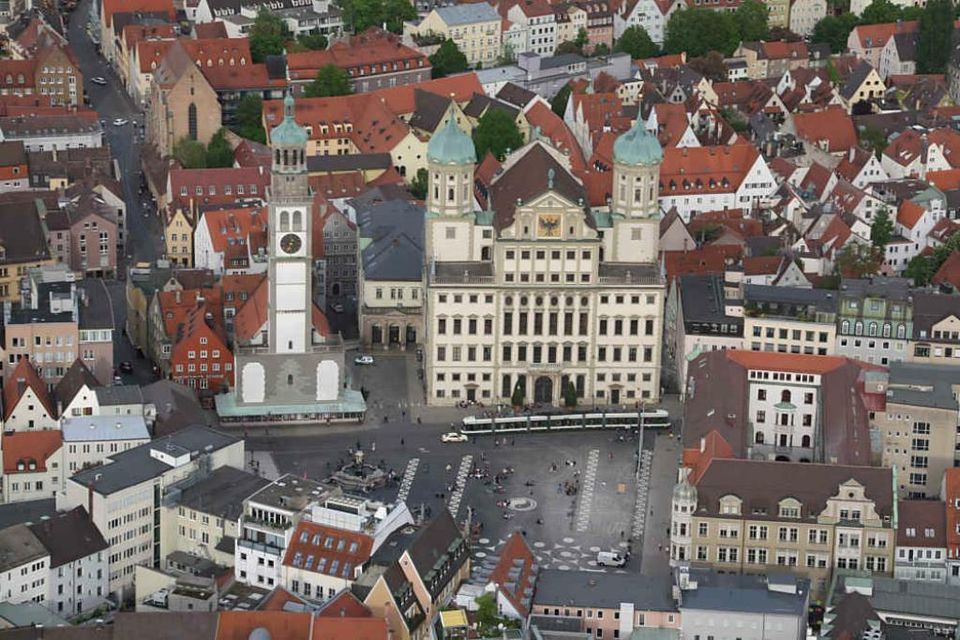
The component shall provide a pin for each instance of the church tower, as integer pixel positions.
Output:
(637, 156)
(451, 157)
(290, 275)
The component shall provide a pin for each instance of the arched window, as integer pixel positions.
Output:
(873, 328)
(845, 326)
(297, 221)
(284, 221)
(192, 121)
(785, 395)
(886, 329)
(901, 331)
(858, 328)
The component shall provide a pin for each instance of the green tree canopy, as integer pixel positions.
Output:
(248, 119)
(448, 59)
(711, 66)
(600, 50)
(559, 102)
(313, 41)
(496, 131)
(881, 231)
(331, 80)
(920, 270)
(697, 31)
(219, 153)
(751, 18)
(834, 31)
(568, 46)
(267, 35)
(880, 11)
(420, 184)
(360, 15)
(934, 36)
(582, 38)
(859, 261)
(191, 154)
(636, 42)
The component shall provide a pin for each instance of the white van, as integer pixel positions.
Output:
(611, 559)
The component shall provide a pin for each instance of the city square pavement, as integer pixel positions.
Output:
(565, 531)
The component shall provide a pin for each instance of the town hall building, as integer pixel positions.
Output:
(539, 291)
(289, 365)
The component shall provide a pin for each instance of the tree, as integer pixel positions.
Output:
(568, 46)
(448, 59)
(751, 18)
(859, 261)
(782, 33)
(419, 184)
(496, 132)
(881, 231)
(636, 42)
(834, 31)
(191, 154)
(934, 36)
(219, 153)
(600, 50)
(313, 41)
(569, 395)
(582, 39)
(710, 66)
(268, 35)
(519, 394)
(487, 618)
(697, 31)
(880, 11)
(873, 139)
(248, 119)
(559, 102)
(360, 15)
(331, 80)
(920, 270)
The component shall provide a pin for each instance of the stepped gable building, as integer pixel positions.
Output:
(289, 366)
(539, 291)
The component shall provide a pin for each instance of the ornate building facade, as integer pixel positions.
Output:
(540, 292)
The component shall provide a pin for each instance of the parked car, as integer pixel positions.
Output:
(126, 367)
(337, 308)
(362, 360)
(119, 122)
(611, 559)
(453, 436)
(100, 80)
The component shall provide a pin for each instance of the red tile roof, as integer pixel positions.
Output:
(831, 126)
(210, 29)
(875, 36)
(714, 169)
(25, 377)
(780, 50)
(708, 259)
(400, 100)
(252, 315)
(17, 74)
(909, 213)
(26, 447)
(762, 265)
(556, 130)
(230, 227)
(949, 271)
(712, 446)
(344, 604)
(280, 625)
(277, 599)
(946, 180)
(853, 163)
(133, 34)
(794, 362)
(216, 186)
(516, 558)
(327, 550)
(369, 53)
(596, 109)
(340, 628)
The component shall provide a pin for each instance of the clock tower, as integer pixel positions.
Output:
(290, 299)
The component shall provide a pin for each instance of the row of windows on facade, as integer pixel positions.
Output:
(396, 293)
(783, 348)
(872, 329)
(784, 559)
(385, 67)
(215, 368)
(228, 190)
(539, 300)
(539, 355)
(795, 334)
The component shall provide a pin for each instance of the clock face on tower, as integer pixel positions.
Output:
(290, 243)
(548, 226)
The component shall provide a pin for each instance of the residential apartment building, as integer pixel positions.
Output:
(748, 516)
(58, 75)
(374, 59)
(935, 335)
(921, 541)
(202, 520)
(31, 465)
(772, 607)
(950, 495)
(270, 517)
(534, 297)
(875, 319)
(475, 29)
(534, 27)
(322, 561)
(29, 251)
(68, 130)
(79, 572)
(91, 440)
(789, 320)
(918, 427)
(24, 566)
(611, 607)
(125, 496)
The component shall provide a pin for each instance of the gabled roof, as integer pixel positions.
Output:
(949, 271)
(252, 315)
(76, 377)
(714, 169)
(515, 573)
(110, 7)
(853, 163)
(25, 377)
(909, 213)
(708, 259)
(344, 604)
(26, 448)
(921, 523)
(875, 36)
(338, 553)
(553, 128)
(831, 125)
